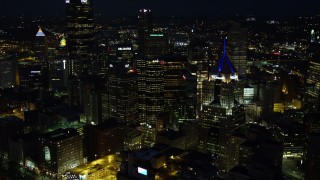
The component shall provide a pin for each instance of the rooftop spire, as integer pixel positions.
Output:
(225, 46)
(225, 66)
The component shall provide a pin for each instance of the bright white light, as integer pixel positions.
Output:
(64, 64)
(67, 1)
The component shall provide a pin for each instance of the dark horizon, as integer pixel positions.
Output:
(166, 8)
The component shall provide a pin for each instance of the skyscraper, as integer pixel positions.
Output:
(154, 91)
(122, 89)
(7, 72)
(41, 57)
(313, 90)
(80, 32)
(220, 118)
(238, 47)
(80, 44)
(33, 72)
(199, 63)
(145, 27)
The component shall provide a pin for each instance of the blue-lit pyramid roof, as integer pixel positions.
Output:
(224, 66)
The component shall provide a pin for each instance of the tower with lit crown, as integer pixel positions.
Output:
(223, 116)
(41, 57)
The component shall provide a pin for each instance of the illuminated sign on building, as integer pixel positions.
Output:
(142, 171)
(156, 35)
(124, 48)
(35, 72)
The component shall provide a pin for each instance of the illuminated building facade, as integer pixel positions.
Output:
(174, 83)
(58, 76)
(80, 32)
(154, 91)
(150, 90)
(141, 68)
(198, 61)
(313, 90)
(41, 58)
(60, 151)
(132, 140)
(220, 118)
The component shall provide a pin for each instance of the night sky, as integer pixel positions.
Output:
(182, 8)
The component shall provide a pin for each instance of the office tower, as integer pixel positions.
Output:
(174, 83)
(80, 44)
(29, 74)
(58, 76)
(191, 95)
(207, 92)
(313, 87)
(123, 93)
(80, 32)
(59, 151)
(92, 99)
(145, 27)
(157, 45)
(248, 94)
(32, 72)
(141, 69)
(238, 47)
(220, 118)
(7, 73)
(154, 94)
(89, 100)
(198, 64)
(41, 58)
